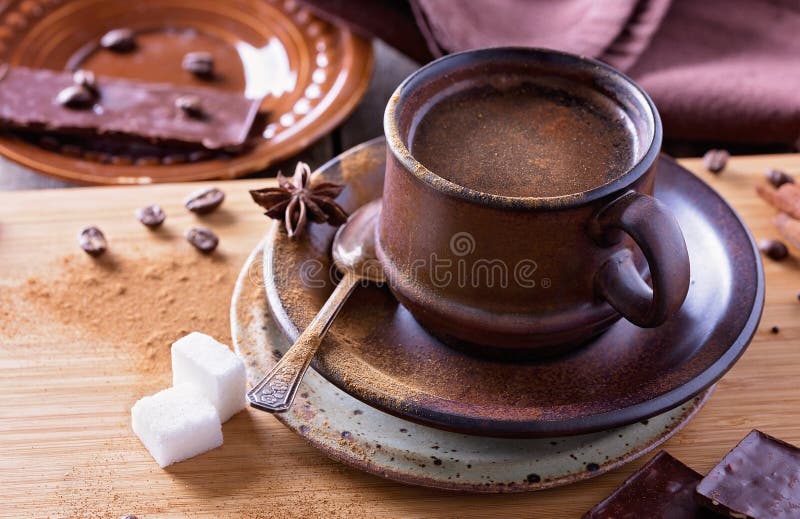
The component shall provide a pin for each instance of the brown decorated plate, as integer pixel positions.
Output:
(312, 73)
(377, 352)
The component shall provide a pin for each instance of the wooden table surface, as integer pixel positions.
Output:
(66, 448)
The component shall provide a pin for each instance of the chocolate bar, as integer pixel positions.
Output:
(142, 112)
(663, 488)
(758, 479)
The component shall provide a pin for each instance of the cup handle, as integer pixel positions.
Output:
(655, 230)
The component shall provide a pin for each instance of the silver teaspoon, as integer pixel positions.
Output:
(354, 256)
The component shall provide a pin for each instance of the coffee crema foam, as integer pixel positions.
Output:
(542, 137)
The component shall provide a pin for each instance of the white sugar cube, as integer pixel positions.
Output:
(176, 424)
(215, 370)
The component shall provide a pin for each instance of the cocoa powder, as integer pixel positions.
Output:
(136, 303)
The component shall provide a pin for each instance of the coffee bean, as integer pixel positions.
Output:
(775, 330)
(76, 97)
(778, 178)
(190, 105)
(92, 240)
(128, 516)
(86, 79)
(205, 200)
(152, 216)
(119, 40)
(202, 239)
(201, 64)
(774, 249)
(715, 160)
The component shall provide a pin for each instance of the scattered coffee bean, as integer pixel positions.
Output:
(202, 239)
(119, 40)
(86, 79)
(152, 216)
(205, 200)
(201, 64)
(774, 330)
(778, 178)
(76, 97)
(190, 105)
(715, 160)
(128, 516)
(774, 249)
(92, 240)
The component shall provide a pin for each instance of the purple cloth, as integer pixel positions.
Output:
(720, 70)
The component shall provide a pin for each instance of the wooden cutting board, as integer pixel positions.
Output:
(81, 340)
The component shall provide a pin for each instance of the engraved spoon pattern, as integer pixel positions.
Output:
(354, 255)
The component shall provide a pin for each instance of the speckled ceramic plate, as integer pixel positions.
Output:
(363, 437)
(377, 352)
(312, 73)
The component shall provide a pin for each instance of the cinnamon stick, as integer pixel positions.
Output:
(767, 193)
(785, 199)
(789, 229)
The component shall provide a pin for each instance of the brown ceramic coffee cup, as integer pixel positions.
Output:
(511, 219)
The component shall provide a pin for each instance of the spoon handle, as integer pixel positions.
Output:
(276, 391)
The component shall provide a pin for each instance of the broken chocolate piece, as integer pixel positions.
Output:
(134, 113)
(202, 239)
(92, 240)
(151, 216)
(190, 105)
(778, 178)
(76, 97)
(119, 40)
(663, 488)
(759, 478)
(716, 160)
(201, 64)
(774, 249)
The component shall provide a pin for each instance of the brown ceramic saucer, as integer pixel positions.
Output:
(376, 352)
(313, 73)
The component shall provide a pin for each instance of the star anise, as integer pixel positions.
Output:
(297, 200)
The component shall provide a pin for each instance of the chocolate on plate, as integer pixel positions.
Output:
(663, 488)
(759, 478)
(126, 111)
